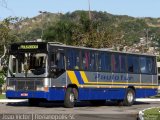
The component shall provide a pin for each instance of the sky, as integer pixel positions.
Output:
(31, 8)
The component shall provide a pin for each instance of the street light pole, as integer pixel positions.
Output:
(89, 10)
(147, 37)
(42, 12)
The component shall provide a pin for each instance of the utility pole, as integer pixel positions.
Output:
(42, 12)
(147, 31)
(89, 12)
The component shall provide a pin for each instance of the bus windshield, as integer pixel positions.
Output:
(27, 65)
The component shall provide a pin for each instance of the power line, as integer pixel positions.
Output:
(3, 3)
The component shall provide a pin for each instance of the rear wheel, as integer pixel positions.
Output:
(70, 97)
(129, 97)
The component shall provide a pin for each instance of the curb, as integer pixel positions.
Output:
(148, 100)
(12, 100)
(25, 100)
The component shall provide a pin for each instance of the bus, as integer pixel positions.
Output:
(48, 71)
(158, 67)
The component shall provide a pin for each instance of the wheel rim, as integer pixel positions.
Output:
(130, 97)
(71, 97)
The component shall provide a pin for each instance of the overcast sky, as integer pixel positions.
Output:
(30, 8)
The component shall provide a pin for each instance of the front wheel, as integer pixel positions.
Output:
(129, 97)
(70, 97)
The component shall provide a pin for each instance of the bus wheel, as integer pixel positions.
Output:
(70, 97)
(129, 97)
(33, 102)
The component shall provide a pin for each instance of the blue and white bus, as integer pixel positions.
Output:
(40, 71)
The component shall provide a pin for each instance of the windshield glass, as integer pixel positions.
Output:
(28, 65)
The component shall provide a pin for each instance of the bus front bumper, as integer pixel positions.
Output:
(51, 95)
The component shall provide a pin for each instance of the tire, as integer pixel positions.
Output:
(129, 97)
(33, 102)
(70, 97)
(98, 102)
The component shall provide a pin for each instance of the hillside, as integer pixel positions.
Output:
(103, 30)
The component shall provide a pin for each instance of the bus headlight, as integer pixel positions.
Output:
(41, 88)
(11, 87)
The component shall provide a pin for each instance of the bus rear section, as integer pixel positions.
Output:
(53, 72)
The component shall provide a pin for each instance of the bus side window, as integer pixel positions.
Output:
(69, 59)
(60, 59)
(122, 60)
(104, 62)
(76, 60)
(53, 60)
(115, 63)
(93, 61)
(147, 65)
(57, 60)
(73, 61)
(133, 64)
(85, 60)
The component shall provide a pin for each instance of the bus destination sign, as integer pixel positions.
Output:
(28, 47)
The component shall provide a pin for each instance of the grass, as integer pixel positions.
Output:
(152, 114)
(2, 96)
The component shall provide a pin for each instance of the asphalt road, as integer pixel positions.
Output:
(82, 111)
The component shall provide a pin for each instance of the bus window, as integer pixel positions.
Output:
(85, 60)
(73, 60)
(133, 64)
(93, 62)
(104, 62)
(147, 65)
(57, 60)
(76, 60)
(115, 63)
(122, 60)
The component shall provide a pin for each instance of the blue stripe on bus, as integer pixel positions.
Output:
(78, 75)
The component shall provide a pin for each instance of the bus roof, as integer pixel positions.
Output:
(96, 49)
(78, 47)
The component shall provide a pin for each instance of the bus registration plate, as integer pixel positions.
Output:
(24, 94)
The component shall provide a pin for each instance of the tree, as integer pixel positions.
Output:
(5, 36)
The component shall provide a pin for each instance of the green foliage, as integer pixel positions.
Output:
(5, 33)
(2, 96)
(103, 30)
(2, 78)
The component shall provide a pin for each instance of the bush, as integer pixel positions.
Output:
(2, 80)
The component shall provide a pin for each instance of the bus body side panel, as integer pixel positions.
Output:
(146, 79)
(142, 93)
(101, 93)
(96, 84)
(56, 94)
(59, 82)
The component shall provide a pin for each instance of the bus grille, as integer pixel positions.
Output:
(25, 84)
